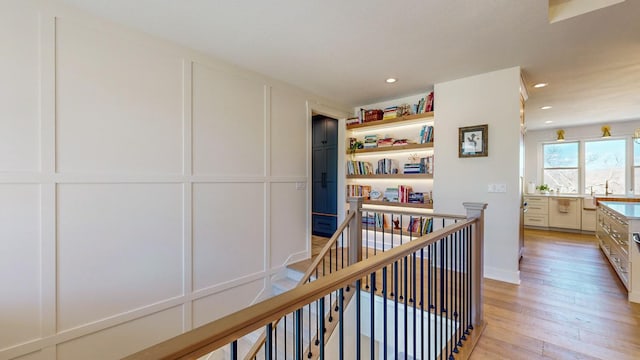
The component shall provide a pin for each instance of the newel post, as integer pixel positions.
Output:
(355, 230)
(476, 211)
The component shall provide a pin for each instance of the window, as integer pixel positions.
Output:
(604, 164)
(636, 168)
(561, 170)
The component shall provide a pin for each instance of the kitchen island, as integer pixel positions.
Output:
(618, 233)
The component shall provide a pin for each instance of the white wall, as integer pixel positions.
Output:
(534, 139)
(145, 189)
(493, 99)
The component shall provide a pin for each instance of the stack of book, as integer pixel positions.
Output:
(358, 190)
(414, 169)
(426, 134)
(390, 112)
(353, 120)
(385, 142)
(370, 115)
(359, 168)
(387, 166)
(427, 164)
(370, 141)
(400, 142)
(391, 194)
(416, 198)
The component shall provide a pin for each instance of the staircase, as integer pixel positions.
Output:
(404, 295)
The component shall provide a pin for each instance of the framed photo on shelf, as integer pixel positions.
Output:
(473, 141)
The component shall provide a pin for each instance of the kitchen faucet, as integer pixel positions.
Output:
(606, 188)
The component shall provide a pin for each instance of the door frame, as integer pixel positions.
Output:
(314, 108)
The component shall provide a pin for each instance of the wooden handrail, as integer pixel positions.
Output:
(307, 275)
(221, 332)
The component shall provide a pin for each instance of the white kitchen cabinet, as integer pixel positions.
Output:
(537, 211)
(588, 219)
(565, 213)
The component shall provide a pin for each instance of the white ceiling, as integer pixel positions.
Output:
(344, 50)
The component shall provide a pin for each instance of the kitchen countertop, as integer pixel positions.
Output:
(561, 195)
(630, 210)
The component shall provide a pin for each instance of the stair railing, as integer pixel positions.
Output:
(424, 301)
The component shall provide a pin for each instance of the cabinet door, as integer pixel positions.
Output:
(565, 213)
(331, 132)
(318, 129)
(319, 164)
(319, 198)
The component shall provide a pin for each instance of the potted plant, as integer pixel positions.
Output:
(543, 188)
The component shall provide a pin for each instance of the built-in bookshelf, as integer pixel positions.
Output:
(402, 158)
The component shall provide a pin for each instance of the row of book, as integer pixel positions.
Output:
(358, 190)
(359, 168)
(387, 166)
(424, 105)
(426, 134)
(418, 225)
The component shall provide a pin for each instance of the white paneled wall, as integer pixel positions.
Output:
(145, 188)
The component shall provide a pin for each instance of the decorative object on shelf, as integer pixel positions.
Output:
(403, 110)
(375, 194)
(606, 131)
(473, 141)
(636, 136)
(543, 188)
(560, 135)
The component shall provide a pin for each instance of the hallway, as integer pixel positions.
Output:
(570, 305)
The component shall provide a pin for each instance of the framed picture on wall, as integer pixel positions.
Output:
(473, 141)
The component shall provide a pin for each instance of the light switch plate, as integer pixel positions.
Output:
(301, 186)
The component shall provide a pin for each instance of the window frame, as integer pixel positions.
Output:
(577, 167)
(630, 166)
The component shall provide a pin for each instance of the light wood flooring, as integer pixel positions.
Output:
(570, 305)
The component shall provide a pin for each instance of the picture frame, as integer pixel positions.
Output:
(473, 141)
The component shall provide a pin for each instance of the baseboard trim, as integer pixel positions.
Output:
(512, 277)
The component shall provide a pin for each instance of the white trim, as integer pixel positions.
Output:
(509, 276)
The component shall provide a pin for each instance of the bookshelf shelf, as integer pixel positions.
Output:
(395, 121)
(391, 176)
(424, 146)
(392, 231)
(416, 158)
(397, 204)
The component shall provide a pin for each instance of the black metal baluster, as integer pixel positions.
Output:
(441, 292)
(341, 323)
(285, 336)
(297, 333)
(406, 307)
(384, 311)
(321, 326)
(358, 290)
(395, 308)
(414, 301)
(428, 301)
(275, 342)
(422, 310)
(234, 350)
(268, 345)
(309, 330)
(372, 314)
(471, 264)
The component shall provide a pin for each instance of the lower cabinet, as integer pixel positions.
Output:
(324, 225)
(588, 220)
(565, 213)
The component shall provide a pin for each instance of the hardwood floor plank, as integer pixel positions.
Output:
(569, 305)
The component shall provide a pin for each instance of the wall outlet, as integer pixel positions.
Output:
(301, 186)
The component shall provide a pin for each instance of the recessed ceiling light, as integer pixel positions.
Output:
(547, 107)
(540, 85)
(548, 121)
(391, 80)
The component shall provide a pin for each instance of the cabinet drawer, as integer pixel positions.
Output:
(324, 225)
(536, 200)
(536, 220)
(538, 209)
